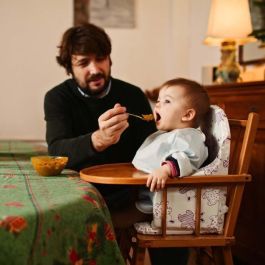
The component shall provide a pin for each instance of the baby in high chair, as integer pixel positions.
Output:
(179, 147)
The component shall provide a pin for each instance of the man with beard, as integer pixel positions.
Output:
(87, 115)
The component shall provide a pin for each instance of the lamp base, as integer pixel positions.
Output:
(228, 71)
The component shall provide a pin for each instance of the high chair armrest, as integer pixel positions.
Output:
(210, 180)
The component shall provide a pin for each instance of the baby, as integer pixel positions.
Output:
(178, 148)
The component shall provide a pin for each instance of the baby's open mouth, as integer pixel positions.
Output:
(157, 117)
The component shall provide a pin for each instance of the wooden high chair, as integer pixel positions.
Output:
(219, 244)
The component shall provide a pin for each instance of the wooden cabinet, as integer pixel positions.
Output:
(238, 99)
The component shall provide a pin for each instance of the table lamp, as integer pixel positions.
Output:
(229, 25)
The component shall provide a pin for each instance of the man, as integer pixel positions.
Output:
(87, 115)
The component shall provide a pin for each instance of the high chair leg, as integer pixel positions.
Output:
(217, 255)
(228, 258)
(138, 256)
(204, 256)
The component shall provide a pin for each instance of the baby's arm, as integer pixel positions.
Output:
(157, 179)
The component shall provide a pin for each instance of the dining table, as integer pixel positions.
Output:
(54, 220)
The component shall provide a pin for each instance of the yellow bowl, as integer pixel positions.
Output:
(49, 165)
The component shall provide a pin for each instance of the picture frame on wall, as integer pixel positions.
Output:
(112, 13)
(105, 13)
(81, 12)
(251, 53)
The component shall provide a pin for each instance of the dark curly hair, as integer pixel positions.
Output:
(82, 40)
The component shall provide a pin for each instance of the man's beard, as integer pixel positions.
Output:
(87, 89)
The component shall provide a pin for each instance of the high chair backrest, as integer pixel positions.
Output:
(219, 130)
(241, 149)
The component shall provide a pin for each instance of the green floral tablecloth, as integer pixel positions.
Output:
(50, 220)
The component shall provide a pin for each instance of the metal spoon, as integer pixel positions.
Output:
(144, 117)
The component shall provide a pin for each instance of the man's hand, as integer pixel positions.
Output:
(157, 179)
(112, 124)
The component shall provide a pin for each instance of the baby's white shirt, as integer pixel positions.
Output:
(186, 145)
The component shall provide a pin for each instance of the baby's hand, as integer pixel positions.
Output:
(157, 179)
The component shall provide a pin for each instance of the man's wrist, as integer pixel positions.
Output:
(97, 141)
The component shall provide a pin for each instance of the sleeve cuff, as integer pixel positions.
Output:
(173, 168)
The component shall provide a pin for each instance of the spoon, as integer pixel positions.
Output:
(144, 117)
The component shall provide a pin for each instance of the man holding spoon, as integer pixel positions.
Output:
(87, 116)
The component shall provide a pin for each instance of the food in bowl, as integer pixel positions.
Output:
(49, 165)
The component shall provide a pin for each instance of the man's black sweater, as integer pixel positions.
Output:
(71, 118)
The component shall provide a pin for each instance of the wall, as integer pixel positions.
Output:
(29, 36)
(166, 42)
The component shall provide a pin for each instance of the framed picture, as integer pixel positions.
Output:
(112, 13)
(251, 53)
(105, 13)
(81, 12)
(254, 53)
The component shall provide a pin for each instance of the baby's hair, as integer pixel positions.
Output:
(196, 96)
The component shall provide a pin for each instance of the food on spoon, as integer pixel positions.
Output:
(148, 117)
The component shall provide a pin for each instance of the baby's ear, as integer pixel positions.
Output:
(189, 115)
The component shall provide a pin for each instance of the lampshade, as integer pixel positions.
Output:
(229, 20)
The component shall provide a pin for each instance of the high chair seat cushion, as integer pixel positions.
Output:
(181, 210)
